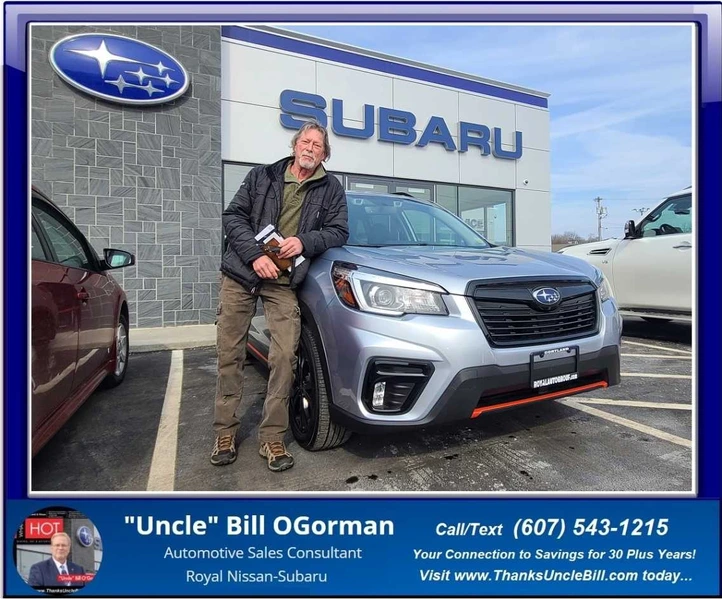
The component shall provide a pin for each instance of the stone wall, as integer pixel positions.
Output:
(146, 179)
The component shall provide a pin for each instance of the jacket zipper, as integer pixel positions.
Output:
(278, 200)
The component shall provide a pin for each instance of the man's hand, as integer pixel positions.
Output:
(290, 247)
(265, 268)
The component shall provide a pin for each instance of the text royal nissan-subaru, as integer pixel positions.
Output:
(418, 320)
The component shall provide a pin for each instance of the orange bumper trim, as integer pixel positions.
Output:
(518, 402)
(257, 353)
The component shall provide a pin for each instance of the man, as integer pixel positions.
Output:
(45, 574)
(308, 208)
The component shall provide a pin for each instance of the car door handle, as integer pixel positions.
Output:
(83, 295)
(685, 245)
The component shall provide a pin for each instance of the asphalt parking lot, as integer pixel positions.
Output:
(147, 436)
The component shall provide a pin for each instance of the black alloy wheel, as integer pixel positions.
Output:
(304, 398)
(308, 408)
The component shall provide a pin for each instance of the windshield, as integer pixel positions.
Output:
(376, 221)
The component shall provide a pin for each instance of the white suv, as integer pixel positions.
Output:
(650, 270)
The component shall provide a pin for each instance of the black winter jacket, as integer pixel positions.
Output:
(257, 203)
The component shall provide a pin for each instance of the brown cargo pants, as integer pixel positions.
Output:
(236, 308)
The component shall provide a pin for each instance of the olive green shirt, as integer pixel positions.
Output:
(294, 192)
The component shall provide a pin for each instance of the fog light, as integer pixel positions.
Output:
(379, 392)
(392, 386)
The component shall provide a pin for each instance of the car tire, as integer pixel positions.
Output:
(308, 407)
(121, 350)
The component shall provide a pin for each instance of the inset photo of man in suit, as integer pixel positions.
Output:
(58, 571)
(57, 550)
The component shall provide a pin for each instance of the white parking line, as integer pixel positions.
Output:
(642, 428)
(634, 404)
(656, 356)
(679, 351)
(657, 376)
(162, 467)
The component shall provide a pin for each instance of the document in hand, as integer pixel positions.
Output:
(269, 240)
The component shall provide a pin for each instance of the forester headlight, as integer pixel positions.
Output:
(386, 295)
(605, 289)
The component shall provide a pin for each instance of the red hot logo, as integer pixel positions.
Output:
(42, 528)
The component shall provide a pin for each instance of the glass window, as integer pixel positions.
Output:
(672, 217)
(27, 555)
(385, 221)
(373, 186)
(37, 248)
(445, 235)
(446, 197)
(67, 243)
(233, 176)
(417, 190)
(488, 212)
(422, 223)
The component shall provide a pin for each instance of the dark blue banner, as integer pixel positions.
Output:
(395, 547)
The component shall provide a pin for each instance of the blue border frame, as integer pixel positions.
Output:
(15, 277)
(16, 170)
(16, 180)
(271, 40)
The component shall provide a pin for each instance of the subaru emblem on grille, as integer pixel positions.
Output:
(547, 296)
(119, 69)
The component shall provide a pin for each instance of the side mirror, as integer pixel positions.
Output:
(116, 259)
(630, 230)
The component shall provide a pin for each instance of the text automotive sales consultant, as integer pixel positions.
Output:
(263, 553)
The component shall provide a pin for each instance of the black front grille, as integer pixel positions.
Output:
(511, 317)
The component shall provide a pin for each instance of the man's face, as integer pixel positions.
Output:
(308, 150)
(60, 547)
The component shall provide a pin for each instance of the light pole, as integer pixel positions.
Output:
(601, 213)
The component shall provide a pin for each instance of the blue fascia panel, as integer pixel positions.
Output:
(304, 48)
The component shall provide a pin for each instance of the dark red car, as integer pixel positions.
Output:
(79, 319)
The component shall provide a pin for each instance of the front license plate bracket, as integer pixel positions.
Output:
(553, 366)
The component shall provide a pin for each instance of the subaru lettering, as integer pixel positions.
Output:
(395, 126)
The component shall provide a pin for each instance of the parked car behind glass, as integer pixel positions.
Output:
(79, 319)
(418, 320)
(650, 269)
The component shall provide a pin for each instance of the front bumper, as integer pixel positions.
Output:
(461, 359)
(479, 389)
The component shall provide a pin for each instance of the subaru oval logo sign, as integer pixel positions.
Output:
(547, 296)
(119, 69)
(84, 536)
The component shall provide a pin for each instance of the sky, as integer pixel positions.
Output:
(620, 102)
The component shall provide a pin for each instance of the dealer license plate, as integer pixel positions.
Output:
(554, 366)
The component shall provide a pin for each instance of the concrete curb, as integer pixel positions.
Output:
(168, 338)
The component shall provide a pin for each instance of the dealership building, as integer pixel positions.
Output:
(153, 178)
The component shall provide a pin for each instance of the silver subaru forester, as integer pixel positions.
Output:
(418, 320)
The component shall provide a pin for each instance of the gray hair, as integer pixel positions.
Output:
(315, 125)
